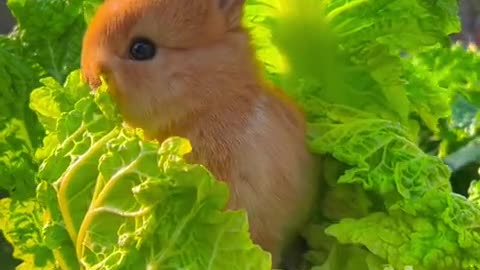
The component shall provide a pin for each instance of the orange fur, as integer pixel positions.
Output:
(204, 84)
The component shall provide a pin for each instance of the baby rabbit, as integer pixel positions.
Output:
(187, 68)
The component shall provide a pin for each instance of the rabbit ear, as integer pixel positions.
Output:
(233, 10)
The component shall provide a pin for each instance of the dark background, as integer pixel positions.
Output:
(6, 19)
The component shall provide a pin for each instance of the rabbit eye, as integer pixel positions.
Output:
(142, 49)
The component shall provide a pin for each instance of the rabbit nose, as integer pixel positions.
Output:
(94, 68)
(91, 75)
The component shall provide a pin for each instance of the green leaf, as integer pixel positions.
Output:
(175, 215)
(89, 8)
(348, 52)
(49, 101)
(343, 61)
(448, 240)
(19, 129)
(51, 33)
(474, 192)
(453, 73)
(428, 99)
(419, 222)
(116, 201)
(358, 259)
(384, 159)
(21, 223)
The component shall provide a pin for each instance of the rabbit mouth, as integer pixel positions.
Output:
(112, 87)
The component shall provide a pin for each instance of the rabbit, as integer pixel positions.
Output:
(187, 68)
